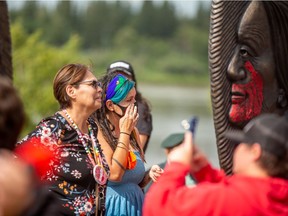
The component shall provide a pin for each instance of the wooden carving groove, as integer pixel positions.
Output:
(224, 19)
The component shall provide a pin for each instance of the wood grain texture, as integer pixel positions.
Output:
(5, 42)
(224, 19)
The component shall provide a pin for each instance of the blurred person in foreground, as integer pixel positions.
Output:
(259, 185)
(79, 179)
(144, 124)
(21, 193)
(120, 141)
(168, 144)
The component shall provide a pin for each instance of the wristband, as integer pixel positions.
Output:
(124, 133)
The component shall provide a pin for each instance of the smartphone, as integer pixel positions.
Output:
(190, 125)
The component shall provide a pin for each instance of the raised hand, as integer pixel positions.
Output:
(129, 120)
(199, 160)
(183, 152)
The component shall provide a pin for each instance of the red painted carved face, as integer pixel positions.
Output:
(247, 98)
(254, 86)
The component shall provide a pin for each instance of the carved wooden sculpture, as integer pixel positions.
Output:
(248, 52)
(5, 42)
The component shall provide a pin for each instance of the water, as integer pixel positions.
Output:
(170, 105)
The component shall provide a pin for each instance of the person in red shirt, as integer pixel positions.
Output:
(259, 185)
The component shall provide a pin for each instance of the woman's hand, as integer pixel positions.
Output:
(128, 122)
(155, 172)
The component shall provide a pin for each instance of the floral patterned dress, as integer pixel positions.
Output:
(71, 178)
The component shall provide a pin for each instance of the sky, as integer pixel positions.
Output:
(183, 7)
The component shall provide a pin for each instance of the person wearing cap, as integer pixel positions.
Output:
(259, 185)
(168, 144)
(144, 124)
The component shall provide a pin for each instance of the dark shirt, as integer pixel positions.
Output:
(144, 124)
(71, 180)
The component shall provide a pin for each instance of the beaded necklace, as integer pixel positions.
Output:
(99, 172)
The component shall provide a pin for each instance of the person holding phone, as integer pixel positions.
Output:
(168, 144)
(259, 185)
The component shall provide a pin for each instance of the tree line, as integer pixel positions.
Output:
(100, 23)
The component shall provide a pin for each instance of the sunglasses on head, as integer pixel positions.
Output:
(94, 83)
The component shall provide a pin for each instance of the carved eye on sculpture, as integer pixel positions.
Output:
(244, 52)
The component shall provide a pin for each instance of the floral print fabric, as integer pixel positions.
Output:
(71, 178)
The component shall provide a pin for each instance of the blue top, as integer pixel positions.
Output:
(126, 198)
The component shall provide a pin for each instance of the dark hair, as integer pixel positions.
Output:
(146, 104)
(274, 166)
(274, 157)
(277, 13)
(106, 126)
(270, 131)
(68, 75)
(12, 114)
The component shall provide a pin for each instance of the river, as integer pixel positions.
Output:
(171, 105)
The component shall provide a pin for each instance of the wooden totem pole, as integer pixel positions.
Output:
(248, 53)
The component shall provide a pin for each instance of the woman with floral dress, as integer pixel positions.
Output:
(81, 168)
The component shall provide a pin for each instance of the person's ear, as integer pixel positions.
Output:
(167, 151)
(110, 105)
(70, 90)
(256, 151)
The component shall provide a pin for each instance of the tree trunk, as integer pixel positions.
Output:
(5, 42)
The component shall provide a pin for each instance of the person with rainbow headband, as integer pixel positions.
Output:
(144, 123)
(119, 139)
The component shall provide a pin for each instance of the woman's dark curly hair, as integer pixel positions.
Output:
(103, 122)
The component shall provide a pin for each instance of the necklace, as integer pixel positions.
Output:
(99, 173)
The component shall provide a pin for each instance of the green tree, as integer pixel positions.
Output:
(62, 25)
(156, 21)
(35, 64)
(29, 15)
(146, 19)
(202, 18)
(94, 20)
(102, 21)
(167, 20)
(164, 46)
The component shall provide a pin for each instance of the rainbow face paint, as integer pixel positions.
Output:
(247, 99)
